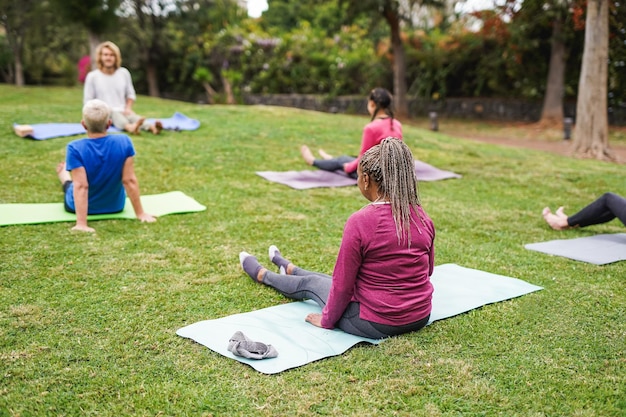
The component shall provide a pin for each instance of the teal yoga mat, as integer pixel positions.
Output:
(457, 290)
(157, 205)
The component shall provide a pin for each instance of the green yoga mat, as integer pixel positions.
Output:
(157, 205)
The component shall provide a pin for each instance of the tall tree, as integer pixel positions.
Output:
(147, 34)
(552, 111)
(97, 16)
(394, 12)
(16, 17)
(591, 129)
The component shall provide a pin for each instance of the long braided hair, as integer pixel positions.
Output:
(391, 165)
(383, 101)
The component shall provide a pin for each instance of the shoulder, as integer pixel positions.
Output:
(77, 143)
(363, 216)
(120, 137)
(123, 71)
(425, 217)
(371, 126)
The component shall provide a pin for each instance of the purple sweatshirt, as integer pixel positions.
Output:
(391, 281)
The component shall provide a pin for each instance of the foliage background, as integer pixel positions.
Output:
(313, 46)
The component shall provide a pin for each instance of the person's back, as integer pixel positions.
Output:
(98, 173)
(103, 160)
(393, 283)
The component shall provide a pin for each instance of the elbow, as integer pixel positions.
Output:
(129, 182)
(82, 187)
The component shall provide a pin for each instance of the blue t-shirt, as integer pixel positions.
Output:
(103, 160)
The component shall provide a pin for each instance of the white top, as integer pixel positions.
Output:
(113, 89)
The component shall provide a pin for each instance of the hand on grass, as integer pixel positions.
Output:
(315, 319)
(146, 218)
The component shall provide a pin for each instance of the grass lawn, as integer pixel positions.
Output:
(88, 321)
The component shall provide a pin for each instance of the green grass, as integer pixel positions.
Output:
(88, 321)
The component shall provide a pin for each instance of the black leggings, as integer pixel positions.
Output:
(604, 209)
(66, 185)
(335, 164)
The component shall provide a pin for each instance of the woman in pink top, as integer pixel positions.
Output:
(380, 285)
(382, 125)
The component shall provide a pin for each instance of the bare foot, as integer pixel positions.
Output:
(134, 128)
(307, 155)
(62, 173)
(324, 155)
(557, 221)
(156, 127)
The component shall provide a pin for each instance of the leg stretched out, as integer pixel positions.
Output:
(299, 284)
(606, 208)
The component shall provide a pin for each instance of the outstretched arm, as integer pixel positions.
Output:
(81, 199)
(129, 179)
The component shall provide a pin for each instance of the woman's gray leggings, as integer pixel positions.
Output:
(303, 284)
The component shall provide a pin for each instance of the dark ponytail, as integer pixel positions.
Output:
(383, 100)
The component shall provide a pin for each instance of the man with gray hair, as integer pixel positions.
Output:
(98, 172)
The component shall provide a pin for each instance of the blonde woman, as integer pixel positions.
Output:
(113, 84)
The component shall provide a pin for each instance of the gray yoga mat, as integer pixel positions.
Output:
(457, 290)
(302, 180)
(598, 249)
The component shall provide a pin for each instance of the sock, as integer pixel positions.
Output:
(277, 259)
(250, 265)
(241, 345)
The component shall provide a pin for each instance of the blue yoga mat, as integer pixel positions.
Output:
(457, 290)
(43, 131)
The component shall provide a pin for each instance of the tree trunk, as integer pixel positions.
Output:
(210, 92)
(94, 41)
(153, 81)
(399, 63)
(591, 130)
(16, 43)
(552, 112)
(228, 90)
(19, 70)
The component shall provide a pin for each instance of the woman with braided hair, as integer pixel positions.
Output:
(380, 285)
(382, 125)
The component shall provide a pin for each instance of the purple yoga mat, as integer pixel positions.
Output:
(302, 180)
